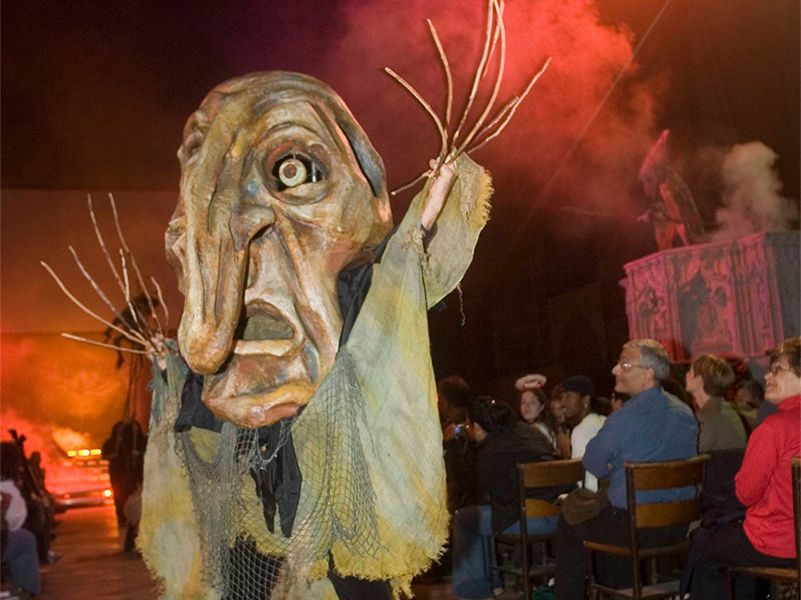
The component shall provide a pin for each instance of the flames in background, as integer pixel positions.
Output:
(62, 395)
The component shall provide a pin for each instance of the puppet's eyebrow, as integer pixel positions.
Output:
(290, 125)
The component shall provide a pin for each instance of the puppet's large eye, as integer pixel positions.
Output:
(294, 169)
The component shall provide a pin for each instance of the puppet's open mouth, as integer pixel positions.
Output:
(264, 330)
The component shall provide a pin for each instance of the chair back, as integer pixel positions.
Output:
(661, 475)
(543, 475)
(650, 476)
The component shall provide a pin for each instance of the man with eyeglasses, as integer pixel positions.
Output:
(764, 485)
(652, 425)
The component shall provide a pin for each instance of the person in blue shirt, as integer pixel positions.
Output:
(653, 425)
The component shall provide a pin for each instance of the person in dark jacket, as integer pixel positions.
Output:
(502, 442)
(124, 451)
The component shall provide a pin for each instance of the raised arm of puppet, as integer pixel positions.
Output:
(437, 194)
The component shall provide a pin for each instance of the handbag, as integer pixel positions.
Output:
(582, 504)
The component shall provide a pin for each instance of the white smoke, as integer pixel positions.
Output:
(752, 199)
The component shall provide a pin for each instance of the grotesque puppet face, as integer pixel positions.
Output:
(280, 190)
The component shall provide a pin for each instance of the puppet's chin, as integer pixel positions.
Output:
(252, 388)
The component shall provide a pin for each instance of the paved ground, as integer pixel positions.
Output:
(93, 567)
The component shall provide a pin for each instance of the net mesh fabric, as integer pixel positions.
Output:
(242, 559)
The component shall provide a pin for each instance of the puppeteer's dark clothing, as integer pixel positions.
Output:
(496, 481)
(124, 451)
(496, 476)
(460, 469)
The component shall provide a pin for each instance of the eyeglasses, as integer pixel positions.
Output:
(776, 368)
(626, 365)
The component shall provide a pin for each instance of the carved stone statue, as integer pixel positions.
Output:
(672, 213)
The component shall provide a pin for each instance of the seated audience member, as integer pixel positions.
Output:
(560, 429)
(18, 544)
(453, 400)
(651, 426)
(453, 396)
(764, 485)
(755, 396)
(748, 397)
(533, 407)
(617, 400)
(719, 426)
(502, 442)
(674, 386)
(578, 407)
(602, 406)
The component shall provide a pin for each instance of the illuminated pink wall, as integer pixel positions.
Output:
(730, 298)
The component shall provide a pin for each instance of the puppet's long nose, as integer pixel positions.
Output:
(218, 235)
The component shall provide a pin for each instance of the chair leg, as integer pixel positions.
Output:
(590, 577)
(653, 568)
(729, 584)
(524, 569)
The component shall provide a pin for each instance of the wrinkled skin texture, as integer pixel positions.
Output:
(280, 190)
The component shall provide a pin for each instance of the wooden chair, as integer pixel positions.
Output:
(646, 476)
(776, 574)
(531, 477)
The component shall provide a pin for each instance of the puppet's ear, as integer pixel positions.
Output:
(369, 161)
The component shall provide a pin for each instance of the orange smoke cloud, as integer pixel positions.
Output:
(56, 390)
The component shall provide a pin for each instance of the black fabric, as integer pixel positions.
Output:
(730, 546)
(278, 484)
(194, 413)
(496, 475)
(460, 472)
(245, 557)
(719, 503)
(351, 588)
(719, 506)
(353, 285)
(610, 527)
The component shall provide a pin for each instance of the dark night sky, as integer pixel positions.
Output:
(95, 94)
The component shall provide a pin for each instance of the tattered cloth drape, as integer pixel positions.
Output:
(368, 444)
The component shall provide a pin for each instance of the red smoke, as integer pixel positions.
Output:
(556, 142)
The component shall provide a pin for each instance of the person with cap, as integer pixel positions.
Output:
(577, 402)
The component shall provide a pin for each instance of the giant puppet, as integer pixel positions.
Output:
(294, 436)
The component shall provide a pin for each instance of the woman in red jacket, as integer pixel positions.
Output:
(763, 485)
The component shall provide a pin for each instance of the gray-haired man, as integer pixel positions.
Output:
(651, 426)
